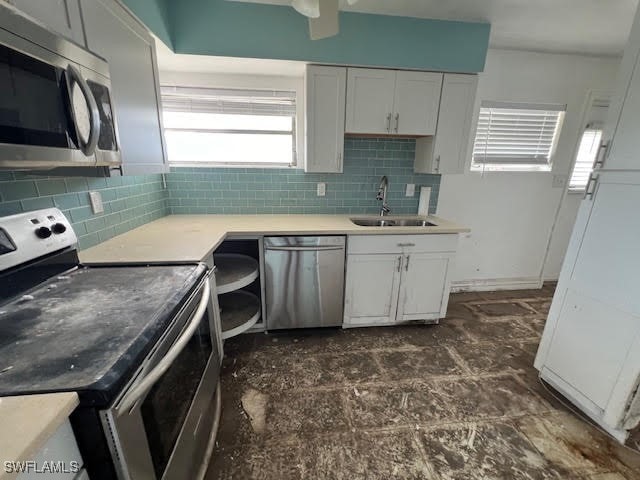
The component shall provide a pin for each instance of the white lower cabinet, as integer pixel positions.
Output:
(394, 279)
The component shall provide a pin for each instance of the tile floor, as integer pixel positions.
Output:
(459, 400)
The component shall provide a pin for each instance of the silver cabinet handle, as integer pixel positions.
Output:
(389, 123)
(397, 122)
(437, 168)
(305, 249)
(133, 395)
(87, 147)
(339, 158)
(591, 186)
(406, 244)
(399, 263)
(406, 265)
(601, 156)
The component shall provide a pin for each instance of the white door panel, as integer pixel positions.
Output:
(416, 103)
(422, 286)
(369, 100)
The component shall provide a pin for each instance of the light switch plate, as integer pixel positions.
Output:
(96, 202)
(411, 190)
(322, 189)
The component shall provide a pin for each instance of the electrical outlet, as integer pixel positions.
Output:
(96, 202)
(322, 189)
(411, 190)
(558, 181)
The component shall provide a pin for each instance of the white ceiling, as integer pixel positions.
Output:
(594, 27)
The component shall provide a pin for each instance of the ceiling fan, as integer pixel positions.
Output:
(323, 16)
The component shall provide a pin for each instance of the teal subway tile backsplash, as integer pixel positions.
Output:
(128, 201)
(287, 190)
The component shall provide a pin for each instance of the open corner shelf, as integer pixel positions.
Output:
(234, 271)
(239, 311)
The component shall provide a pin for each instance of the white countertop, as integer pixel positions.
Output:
(192, 238)
(28, 421)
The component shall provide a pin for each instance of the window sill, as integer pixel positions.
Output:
(510, 169)
(234, 165)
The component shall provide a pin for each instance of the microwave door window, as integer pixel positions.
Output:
(107, 137)
(33, 102)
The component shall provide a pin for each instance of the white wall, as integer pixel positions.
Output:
(512, 215)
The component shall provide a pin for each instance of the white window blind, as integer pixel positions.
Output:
(587, 151)
(516, 134)
(229, 126)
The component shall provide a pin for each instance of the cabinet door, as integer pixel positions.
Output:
(370, 100)
(587, 348)
(424, 287)
(623, 117)
(371, 293)
(454, 123)
(416, 103)
(325, 105)
(61, 16)
(113, 33)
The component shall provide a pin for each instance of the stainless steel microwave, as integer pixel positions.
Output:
(55, 102)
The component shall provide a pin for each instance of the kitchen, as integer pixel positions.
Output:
(254, 181)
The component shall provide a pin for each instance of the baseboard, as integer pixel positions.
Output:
(489, 285)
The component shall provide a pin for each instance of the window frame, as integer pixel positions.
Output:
(249, 82)
(476, 167)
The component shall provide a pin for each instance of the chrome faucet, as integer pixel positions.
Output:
(382, 195)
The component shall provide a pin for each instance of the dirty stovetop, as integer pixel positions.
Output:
(89, 330)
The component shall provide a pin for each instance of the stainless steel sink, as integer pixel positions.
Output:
(392, 222)
(373, 222)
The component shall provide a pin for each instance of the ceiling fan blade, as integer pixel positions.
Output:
(308, 8)
(327, 24)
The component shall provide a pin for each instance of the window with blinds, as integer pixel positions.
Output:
(516, 136)
(586, 156)
(229, 126)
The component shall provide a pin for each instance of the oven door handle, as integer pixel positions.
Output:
(133, 395)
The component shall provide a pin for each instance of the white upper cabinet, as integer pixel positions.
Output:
(325, 110)
(446, 152)
(61, 16)
(113, 33)
(416, 100)
(370, 95)
(390, 102)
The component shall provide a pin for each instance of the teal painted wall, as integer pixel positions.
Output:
(268, 190)
(128, 201)
(240, 29)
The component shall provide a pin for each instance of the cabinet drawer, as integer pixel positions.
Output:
(402, 243)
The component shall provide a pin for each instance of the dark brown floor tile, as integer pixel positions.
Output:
(530, 347)
(461, 310)
(502, 309)
(540, 306)
(395, 405)
(535, 323)
(516, 294)
(305, 412)
(466, 297)
(498, 332)
(348, 368)
(501, 358)
(448, 331)
(473, 399)
(423, 363)
(495, 451)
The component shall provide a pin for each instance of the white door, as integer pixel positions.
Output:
(371, 294)
(325, 104)
(130, 50)
(61, 16)
(416, 103)
(369, 100)
(423, 286)
(595, 314)
(454, 122)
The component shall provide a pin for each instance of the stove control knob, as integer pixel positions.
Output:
(43, 232)
(58, 228)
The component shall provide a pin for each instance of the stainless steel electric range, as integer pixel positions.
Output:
(139, 343)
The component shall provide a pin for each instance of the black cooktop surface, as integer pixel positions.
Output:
(89, 330)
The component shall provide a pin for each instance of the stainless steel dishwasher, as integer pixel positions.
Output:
(304, 281)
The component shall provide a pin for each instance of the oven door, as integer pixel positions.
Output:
(160, 427)
(48, 115)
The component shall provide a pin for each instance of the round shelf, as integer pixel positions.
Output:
(234, 271)
(239, 311)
